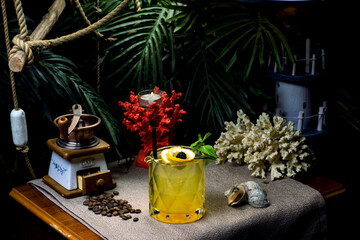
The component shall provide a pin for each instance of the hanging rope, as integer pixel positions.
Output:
(137, 5)
(24, 149)
(98, 54)
(78, 7)
(20, 39)
(7, 44)
(27, 45)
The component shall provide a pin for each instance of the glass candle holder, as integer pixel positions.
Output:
(149, 96)
(176, 191)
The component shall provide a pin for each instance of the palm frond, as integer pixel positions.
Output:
(245, 36)
(96, 105)
(143, 39)
(212, 90)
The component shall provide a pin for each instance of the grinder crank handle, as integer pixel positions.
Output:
(63, 127)
(77, 110)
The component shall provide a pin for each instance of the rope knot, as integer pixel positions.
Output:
(20, 44)
(23, 149)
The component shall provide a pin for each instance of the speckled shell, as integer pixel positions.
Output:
(257, 198)
(251, 185)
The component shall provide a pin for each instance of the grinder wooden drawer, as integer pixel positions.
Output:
(96, 182)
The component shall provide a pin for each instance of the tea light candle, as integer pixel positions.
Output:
(147, 97)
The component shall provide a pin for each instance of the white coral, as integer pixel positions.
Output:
(266, 146)
(232, 139)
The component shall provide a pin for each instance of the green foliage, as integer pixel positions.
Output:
(201, 149)
(205, 49)
(142, 40)
(347, 106)
(248, 32)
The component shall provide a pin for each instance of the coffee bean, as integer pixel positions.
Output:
(101, 196)
(109, 195)
(96, 208)
(106, 205)
(93, 198)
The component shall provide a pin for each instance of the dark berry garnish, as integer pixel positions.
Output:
(181, 155)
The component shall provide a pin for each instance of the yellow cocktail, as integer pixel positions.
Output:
(176, 188)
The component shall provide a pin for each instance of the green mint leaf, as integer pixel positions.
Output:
(195, 144)
(206, 136)
(208, 150)
(202, 149)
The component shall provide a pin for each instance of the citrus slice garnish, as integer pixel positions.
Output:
(177, 154)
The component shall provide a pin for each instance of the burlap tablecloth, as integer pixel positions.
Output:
(296, 211)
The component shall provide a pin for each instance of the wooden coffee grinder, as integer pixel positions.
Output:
(78, 165)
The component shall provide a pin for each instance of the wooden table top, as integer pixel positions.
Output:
(29, 197)
(51, 214)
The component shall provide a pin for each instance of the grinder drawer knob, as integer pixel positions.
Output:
(96, 181)
(100, 182)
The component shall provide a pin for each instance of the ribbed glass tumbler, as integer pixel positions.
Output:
(177, 191)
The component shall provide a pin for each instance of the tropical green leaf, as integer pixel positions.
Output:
(143, 39)
(244, 36)
(214, 93)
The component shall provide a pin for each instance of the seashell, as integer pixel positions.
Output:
(257, 198)
(251, 185)
(248, 192)
(236, 195)
(228, 192)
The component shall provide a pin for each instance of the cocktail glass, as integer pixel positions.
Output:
(176, 191)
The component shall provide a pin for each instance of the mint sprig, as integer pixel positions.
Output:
(203, 150)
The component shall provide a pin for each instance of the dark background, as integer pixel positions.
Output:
(334, 26)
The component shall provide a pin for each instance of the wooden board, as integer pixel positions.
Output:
(51, 214)
(326, 186)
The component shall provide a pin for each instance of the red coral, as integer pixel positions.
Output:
(164, 117)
